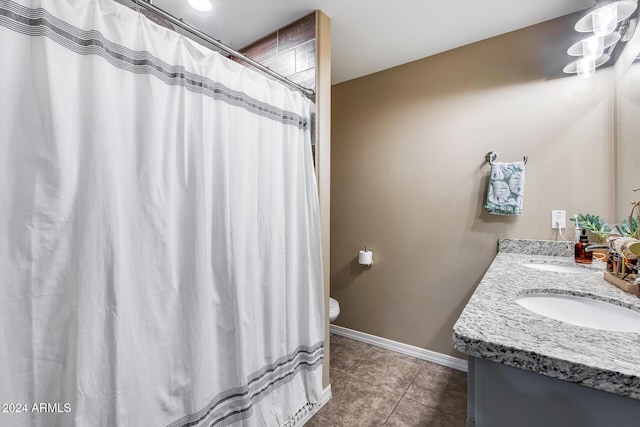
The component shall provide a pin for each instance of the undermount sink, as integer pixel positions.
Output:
(558, 268)
(582, 311)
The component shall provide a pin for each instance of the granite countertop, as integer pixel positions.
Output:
(493, 326)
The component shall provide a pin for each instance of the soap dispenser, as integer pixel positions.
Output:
(581, 255)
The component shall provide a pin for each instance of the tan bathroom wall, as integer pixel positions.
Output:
(627, 76)
(409, 178)
(627, 144)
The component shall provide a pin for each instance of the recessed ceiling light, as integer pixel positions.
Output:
(201, 5)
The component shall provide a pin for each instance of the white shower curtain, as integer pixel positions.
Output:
(159, 235)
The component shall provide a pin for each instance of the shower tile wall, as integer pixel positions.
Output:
(372, 386)
(289, 51)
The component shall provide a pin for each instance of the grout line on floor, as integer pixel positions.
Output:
(394, 409)
(347, 376)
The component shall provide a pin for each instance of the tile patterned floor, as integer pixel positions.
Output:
(372, 386)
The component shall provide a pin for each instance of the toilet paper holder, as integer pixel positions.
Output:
(365, 258)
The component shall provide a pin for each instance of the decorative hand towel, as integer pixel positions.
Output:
(506, 188)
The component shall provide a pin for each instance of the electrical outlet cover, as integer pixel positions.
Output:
(559, 219)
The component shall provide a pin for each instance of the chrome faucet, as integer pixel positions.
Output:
(590, 248)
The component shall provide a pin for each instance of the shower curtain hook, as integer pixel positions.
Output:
(138, 9)
(181, 27)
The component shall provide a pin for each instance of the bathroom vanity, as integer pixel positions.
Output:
(528, 369)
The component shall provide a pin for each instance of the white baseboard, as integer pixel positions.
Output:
(324, 399)
(420, 353)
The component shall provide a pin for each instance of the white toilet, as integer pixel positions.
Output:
(334, 309)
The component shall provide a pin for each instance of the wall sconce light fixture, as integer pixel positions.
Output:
(585, 67)
(603, 21)
(593, 46)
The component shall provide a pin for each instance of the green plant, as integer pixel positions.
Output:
(594, 225)
(630, 229)
(635, 231)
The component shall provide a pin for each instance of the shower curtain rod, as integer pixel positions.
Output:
(309, 93)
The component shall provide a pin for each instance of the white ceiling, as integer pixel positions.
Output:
(373, 35)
